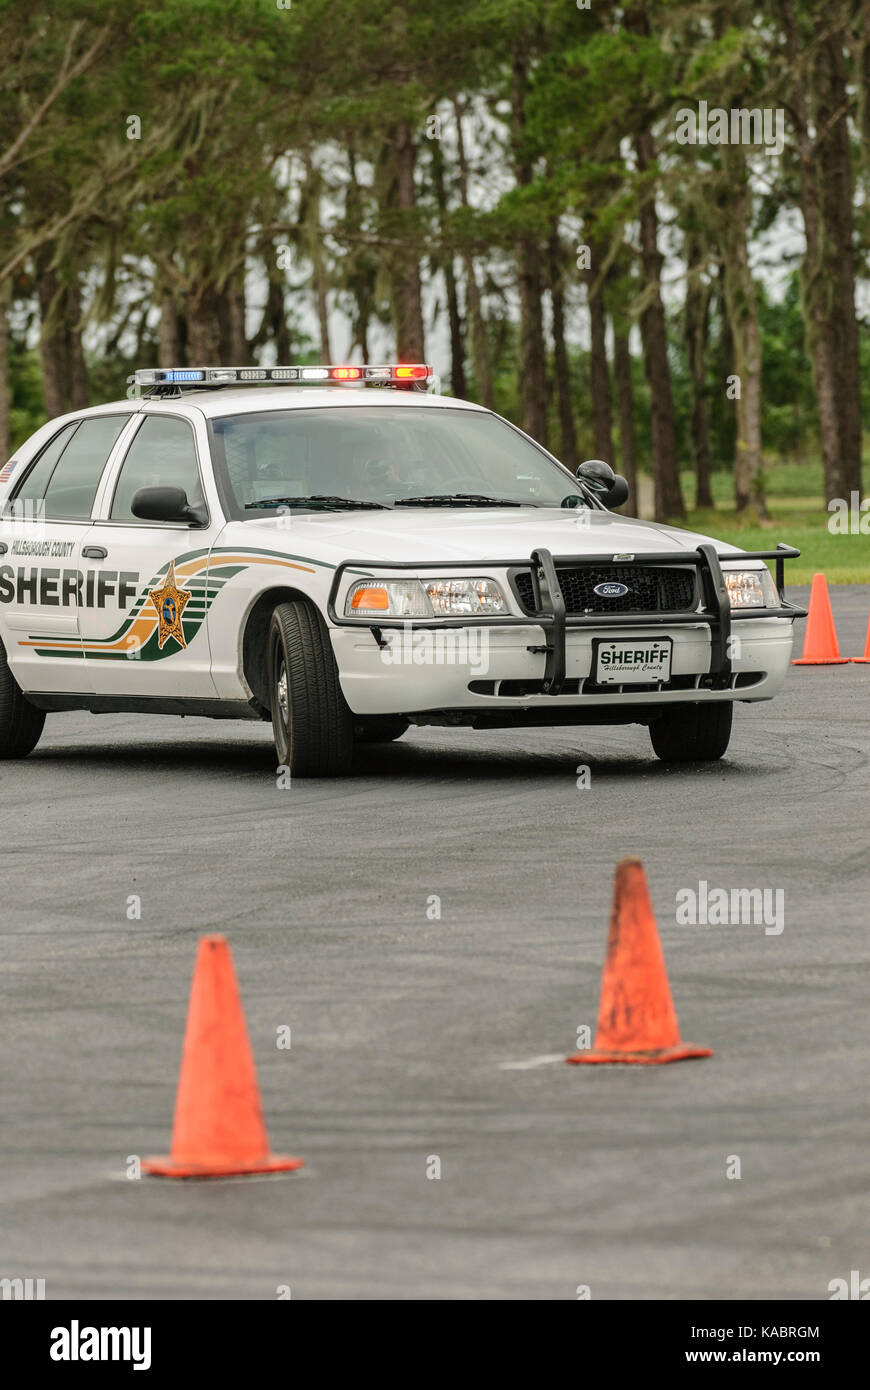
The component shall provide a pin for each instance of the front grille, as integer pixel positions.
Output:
(580, 685)
(517, 689)
(651, 589)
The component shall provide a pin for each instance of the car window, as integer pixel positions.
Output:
(381, 454)
(162, 454)
(72, 486)
(32, 488)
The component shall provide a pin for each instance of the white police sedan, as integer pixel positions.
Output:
(344, 552)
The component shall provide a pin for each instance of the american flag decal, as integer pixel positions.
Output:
(6, 474)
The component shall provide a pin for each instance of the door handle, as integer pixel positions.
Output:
(95, 552)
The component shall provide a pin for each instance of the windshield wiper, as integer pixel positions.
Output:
(456, 499)
(318, 500)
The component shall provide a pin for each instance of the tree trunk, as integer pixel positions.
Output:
(5, 383)
(64, 376)
(533, 378)
(741, 301)
(319, 276)
(222, 308)
(322, 302)
(273, 324)
(480, 354)
(203, 330)
(237, 336)
(748, 476)
(168, 347)
(363, 338)
(812, 291)
(836, 259)
(696, 322)
(233, 348)
(666, 477)
(599, 375)
(564, 391)
(827, 273)
(78, 372)
(361, 269)
(407, 294)
(54, 385)
(723, 356)
(862, 64)
(624, 381)
(458, 384)
(278, 322)
(533, 351)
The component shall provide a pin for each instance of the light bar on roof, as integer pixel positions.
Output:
(170, 376)
(393, 374)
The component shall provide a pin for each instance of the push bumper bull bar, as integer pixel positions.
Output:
(714, 610)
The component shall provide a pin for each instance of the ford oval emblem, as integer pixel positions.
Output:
(611, 590)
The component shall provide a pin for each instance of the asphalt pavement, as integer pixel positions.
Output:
(417, 1037)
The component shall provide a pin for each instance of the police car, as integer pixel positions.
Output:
(345, 552)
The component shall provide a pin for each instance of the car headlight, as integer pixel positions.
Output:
(387, 598)
(425, 598)
(751, 588)
(475, 598)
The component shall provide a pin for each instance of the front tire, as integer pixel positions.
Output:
(692, 733)
(311, 720)
(21, 723)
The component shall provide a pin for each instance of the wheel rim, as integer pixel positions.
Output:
(283, 694)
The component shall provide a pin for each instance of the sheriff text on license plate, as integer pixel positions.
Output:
(632, 660)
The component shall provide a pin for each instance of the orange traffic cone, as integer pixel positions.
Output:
(636, 1018)
(862, 660)
(218, 1131)
(821, 647)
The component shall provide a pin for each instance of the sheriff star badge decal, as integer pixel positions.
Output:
(170, 603)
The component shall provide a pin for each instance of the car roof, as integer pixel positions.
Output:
(232, 400)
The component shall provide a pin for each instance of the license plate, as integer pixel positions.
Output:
(632, 661)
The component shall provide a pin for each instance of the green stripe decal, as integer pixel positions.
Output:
(203, 585)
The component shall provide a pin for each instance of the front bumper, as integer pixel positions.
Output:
(545, 662)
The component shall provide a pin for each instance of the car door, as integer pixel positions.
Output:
(148, 639)
(45, 579)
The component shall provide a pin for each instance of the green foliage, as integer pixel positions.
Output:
(238, 97)
(25, 384)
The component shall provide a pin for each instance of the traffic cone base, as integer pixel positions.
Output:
(821, 647)
(682, 1052)
(863, 660)
(637, 1022)
(822, 660)
(165, 1168)
(218, 1130)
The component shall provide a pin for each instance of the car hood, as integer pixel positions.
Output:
(486, 534)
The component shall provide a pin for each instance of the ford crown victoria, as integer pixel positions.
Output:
(345, 552)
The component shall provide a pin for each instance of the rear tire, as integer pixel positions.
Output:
(311, 720)
(380, 728)
(692, 733)
(21, 723)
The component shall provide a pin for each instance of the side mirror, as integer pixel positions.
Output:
(609, 487)
(166, 504)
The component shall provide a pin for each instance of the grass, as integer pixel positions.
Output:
(798, 515)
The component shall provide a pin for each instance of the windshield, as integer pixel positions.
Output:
(381, 456)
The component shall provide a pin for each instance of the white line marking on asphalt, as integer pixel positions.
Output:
(532, 1062)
